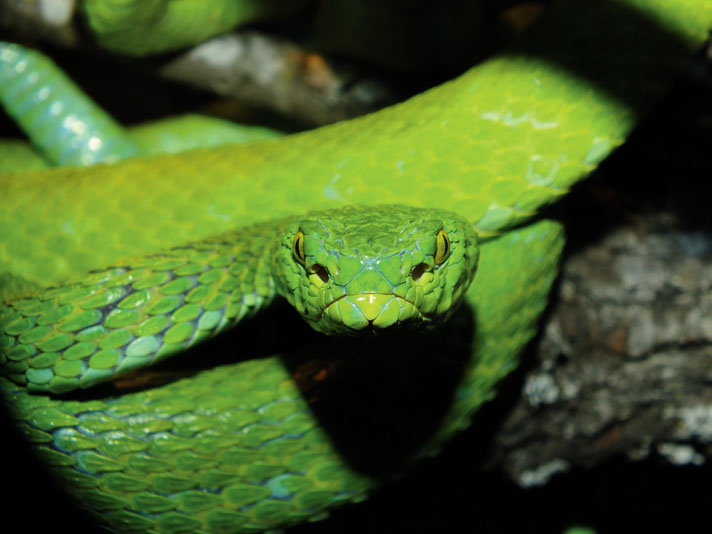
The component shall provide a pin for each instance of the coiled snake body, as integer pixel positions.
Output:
(237, 447)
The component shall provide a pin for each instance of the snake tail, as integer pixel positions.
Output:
(60, 120)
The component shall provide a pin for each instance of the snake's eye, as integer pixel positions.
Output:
(298, 247)
(442, 247)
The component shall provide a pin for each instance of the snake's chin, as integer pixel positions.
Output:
(368, 313)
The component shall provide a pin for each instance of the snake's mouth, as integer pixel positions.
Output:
(377, 310)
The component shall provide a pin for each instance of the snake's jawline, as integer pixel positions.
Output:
(420, 316)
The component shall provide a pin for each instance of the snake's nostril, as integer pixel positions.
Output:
(321, 272)
(418, 271)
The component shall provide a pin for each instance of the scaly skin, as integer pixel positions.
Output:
(67, 128)
(167, 136)
(360, 270)
(236, 446)
(80, 134)
(349, 270)
(140, 27)
(494, 145)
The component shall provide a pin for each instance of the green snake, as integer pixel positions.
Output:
(239, 445)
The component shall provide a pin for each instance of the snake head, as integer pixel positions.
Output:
(366, 269)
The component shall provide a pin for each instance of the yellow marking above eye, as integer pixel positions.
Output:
(442, 247)
(298, 247)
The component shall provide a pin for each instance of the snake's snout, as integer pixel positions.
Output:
(362, 311)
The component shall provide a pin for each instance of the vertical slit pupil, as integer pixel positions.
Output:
(442, 248)
(298, 246)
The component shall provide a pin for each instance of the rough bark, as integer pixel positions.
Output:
(265, 71)
(624, 363)
(256, 68)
